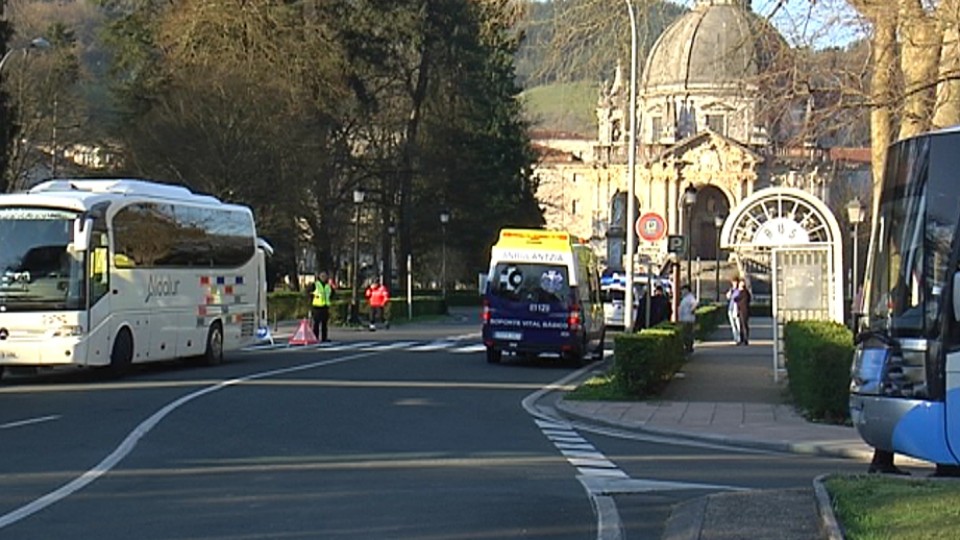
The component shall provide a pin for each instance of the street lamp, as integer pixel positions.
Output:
(689, 199)
(392, 231)
(358, 195)
(444, 219)
(855, 214)
(35, 43)
(717, 225)
(632, 176)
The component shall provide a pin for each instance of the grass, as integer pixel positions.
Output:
(563, 107)
(600, 388)
(879, 508)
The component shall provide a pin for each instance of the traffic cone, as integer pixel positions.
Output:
(304, 334)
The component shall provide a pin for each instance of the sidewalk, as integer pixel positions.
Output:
(727, 394)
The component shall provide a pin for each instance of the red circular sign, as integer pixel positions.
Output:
(651, 227)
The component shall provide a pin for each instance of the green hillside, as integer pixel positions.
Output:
(569, 107)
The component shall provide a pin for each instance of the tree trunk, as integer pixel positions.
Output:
(946, 110)
(919, 60)
(884, 58)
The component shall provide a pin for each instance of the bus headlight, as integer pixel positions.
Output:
(68, 331)
(869, 366)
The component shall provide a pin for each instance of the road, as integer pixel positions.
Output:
(398, 434)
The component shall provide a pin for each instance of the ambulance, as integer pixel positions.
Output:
(542, 296)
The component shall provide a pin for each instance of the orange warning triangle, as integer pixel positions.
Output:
(304, 334)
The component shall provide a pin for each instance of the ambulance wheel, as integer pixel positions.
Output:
(214, 351)
(122, 354)
(493, 355)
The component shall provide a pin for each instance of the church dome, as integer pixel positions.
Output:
(718, 42)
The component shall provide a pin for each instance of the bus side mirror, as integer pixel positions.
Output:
(82, 232)
(956, 296)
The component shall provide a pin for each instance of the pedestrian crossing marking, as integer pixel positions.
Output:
(432, 346)
(469, 349)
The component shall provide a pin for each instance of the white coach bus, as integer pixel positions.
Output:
(112, 272)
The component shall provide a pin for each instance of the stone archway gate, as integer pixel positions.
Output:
(790, 238)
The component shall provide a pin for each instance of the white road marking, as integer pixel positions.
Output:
(130, 442)
(432, 346)
(390, 346)
(348, 346)
(29, 421)
(469, 349)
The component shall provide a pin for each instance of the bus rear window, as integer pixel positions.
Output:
(530, 282)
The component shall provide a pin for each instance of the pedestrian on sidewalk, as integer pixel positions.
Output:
(660, 310)
(377, 296)
(743, 311)
(732, 314)
(686, 313)
(320, 312)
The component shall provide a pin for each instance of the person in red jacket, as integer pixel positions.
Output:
(377, 296)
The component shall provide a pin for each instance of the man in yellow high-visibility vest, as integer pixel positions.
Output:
(322, 295)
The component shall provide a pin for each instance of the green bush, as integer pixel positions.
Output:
(818, 355)
(644, 362)
(709, 317)
(291, 305)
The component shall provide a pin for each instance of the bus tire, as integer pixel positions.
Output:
(122, 354)
(213, 355)
(493, 355)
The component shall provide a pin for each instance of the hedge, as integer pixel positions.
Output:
(290, 305)
(818, 356)
(644, 362)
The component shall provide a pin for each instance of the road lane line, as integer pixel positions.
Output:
(29, 421)
(128, 444)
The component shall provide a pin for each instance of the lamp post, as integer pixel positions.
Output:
(358, 195)
(689, 199)
(35, 43)
(391, 231)
(717, 225)
(632, 166)
(855, 214)
(444, 219)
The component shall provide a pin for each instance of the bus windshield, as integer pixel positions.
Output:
(37, 272)
(914, 233)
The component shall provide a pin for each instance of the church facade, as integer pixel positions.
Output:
(707, 120)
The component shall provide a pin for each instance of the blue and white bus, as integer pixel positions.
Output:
(905, 387)
(114, 272)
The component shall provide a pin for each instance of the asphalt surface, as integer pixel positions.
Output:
(725, 394)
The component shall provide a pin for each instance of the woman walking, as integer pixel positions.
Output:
(732, 312)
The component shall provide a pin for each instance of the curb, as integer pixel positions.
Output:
(686, 520)
(828, 519)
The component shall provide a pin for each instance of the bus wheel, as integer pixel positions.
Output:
(122, 354)
(493, 355)
(214, 352)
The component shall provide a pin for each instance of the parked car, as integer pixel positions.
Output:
(613, 292)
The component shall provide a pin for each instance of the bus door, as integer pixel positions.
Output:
(952, 419)
(264, 250)
(98, 300)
